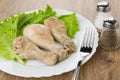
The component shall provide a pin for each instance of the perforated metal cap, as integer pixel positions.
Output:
(103, 6)
(111, 23)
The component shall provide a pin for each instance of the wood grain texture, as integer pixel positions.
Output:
(104, 65)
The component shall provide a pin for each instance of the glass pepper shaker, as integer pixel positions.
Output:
(103, 11)
(109, 39)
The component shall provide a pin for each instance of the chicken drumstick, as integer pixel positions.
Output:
(58, 30)
(28, 50)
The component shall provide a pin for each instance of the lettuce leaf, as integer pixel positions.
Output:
(34, 18)
(8, 30)
(71, 23)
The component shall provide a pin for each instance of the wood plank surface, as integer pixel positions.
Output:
(104, 65)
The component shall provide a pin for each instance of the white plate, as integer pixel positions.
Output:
(37, 69)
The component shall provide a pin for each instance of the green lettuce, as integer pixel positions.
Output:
(8, 30)
(33, 18)
(13, 27)
(71, 23)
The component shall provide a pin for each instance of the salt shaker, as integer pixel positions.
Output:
(103, 11)
(109, 39)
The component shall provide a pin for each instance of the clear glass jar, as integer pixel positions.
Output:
(103, 11)
(109, 39)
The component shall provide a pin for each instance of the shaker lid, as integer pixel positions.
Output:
(103, 6)
(111, 23)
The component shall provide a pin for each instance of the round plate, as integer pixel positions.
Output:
(35, 68)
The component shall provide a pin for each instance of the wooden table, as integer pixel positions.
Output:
(104, 65)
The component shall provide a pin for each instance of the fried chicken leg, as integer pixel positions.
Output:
(59, 32)
(28, 50)
(41, 36)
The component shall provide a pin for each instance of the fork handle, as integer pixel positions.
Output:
(77, 70)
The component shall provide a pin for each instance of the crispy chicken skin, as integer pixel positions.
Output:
(59, 32)
(41, 36)
(28, 50)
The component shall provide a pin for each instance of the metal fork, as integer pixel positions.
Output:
(85, 49)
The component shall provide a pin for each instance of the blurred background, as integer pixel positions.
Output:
(86, 8)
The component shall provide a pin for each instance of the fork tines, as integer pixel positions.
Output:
(88, 40)
(86, 49)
